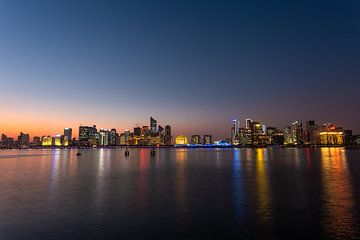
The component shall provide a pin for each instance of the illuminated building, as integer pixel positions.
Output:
(88, 136)
(298, 132)
(127, 135)
(275, 137)
(181, 140)
(195, 139)
(84, 135)
(330, 135)
(112, 137)
(153, 125)
(235, 132)
(207, 140)
(122, 139)
(294, 134)
(47, 141)
(104, 137)
(248, 123)
(167, 135)
(23, 140)
(258, 132)
(58, 140)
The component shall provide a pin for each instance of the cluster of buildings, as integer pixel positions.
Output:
(90, 136)
(297, 134)
(23, 140)
(253, 134)
(195, 140)
(153, 135)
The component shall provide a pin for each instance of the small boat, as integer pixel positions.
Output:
(78, 153)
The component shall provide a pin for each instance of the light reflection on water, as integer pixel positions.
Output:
(185, 193)
(338, 205)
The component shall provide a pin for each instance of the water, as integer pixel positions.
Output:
(180, 193)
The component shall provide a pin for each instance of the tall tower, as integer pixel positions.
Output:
(235, 132)
(153, 125)
(167, 136)
(67, 134)
(248, 123)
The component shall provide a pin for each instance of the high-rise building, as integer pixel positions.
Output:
(68, 134)
(88, 136)
(235, 132)
(294, 134)
(298, 132)
(274, 135)
(167, 135)
(59, 140)
(311, 132)
(207, 140)
(348, 137)
(137, 131)
(153, 125)
(36, 141)
(104, 137)
(145, 130)
(23, 140)
(160, 129)
(195, 139)
(259, 137)
(112, 137)
(127, 135)
(248, 123)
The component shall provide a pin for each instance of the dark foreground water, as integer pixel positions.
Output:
(180, 193)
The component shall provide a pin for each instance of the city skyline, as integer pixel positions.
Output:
(176, 131)
(197, 66)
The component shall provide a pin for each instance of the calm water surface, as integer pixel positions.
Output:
(180, 193)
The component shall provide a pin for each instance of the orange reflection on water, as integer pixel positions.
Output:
(338, 198)
(262, 185)
(181, 156)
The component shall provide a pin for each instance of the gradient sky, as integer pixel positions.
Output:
(195, 65)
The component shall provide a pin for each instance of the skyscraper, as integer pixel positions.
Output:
(67, 134)
(153, 125)
(248, 123)
(24, 140)
(167, 135)
(207, 140)
(88, 136)
(311, 130)
(104, 137)
(137, 131)
(195, 139)
(36, 141)
(235, 132)
(112, 137)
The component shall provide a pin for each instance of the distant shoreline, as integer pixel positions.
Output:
(184, 147)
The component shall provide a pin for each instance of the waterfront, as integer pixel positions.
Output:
(180, 193)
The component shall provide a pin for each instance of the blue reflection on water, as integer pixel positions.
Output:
(238, 185)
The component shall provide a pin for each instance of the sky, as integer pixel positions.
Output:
(195, 65)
